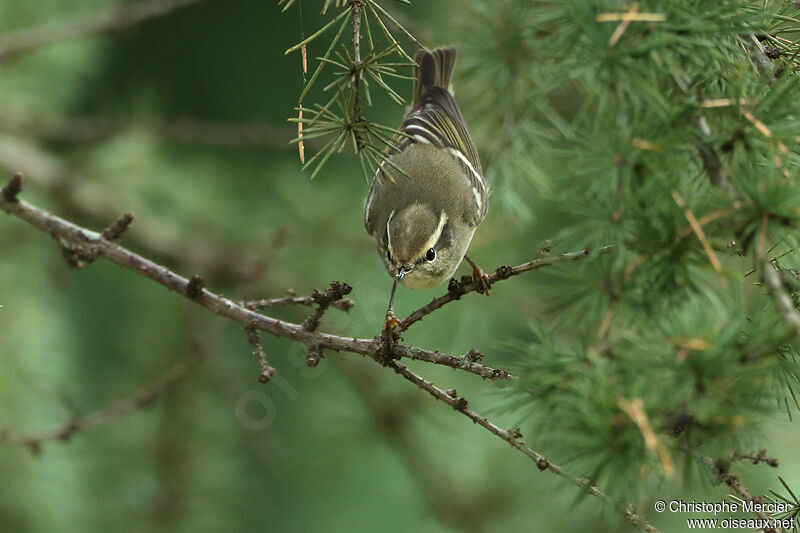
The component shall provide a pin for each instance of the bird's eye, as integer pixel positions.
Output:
(430, 255)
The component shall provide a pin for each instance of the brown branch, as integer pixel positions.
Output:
(14, 187)
(115, 230)
(467, 285)
(722, 469)
(83, 243)
(356, 9)
(111, 20)
(115, 410)
(345, 304)
(217, 260)
(258, 350)
(755, 458)
(514, 438)
(324, 299)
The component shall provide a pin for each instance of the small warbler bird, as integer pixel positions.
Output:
(430, 195)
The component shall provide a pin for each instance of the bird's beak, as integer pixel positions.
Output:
(405, 269)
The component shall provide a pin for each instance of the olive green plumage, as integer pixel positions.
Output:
(427, 200)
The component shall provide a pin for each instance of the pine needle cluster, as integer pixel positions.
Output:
(668, 129)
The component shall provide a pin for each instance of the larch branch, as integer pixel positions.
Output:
(459, 289)
(514, 439)
(87, 245)
(119, 408)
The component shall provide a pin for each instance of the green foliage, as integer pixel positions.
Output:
(617, 124)
(358, 64)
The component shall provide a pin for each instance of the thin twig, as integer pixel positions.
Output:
(114, 19)
(324, 299)
(253, 337)
(513, 438)
(722, 470)
(467, 285)
(345, 304)
(755, 458)
(14, 187)
(217, 260)
(141, 399)
(115, 230)
(356, 9)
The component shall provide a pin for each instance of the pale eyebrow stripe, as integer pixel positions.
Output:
(436, 234)
(389, 234)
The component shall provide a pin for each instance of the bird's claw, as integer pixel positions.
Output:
(389, 335)
(481, 280)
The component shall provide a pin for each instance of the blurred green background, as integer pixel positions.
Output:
(347, 446)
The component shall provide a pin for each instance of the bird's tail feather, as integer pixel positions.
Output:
(434, 69)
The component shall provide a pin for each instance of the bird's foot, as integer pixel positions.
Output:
(481, 280)
(389, 336)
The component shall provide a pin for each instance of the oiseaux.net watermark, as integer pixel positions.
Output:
(724, 510)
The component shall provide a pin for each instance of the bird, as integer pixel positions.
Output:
(429, 194)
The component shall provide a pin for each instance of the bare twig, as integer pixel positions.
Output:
(755, 458)
(254, 339)
(467, 285)
(115, 230)
(117, 18)
(513, 438)
(324, 299)
(721, 468)
(85, 243)
(13, 188)
(356, 9)
(217, 260)
(141, 399)
(345, 304)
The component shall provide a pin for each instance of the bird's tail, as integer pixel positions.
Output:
(433, 70)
